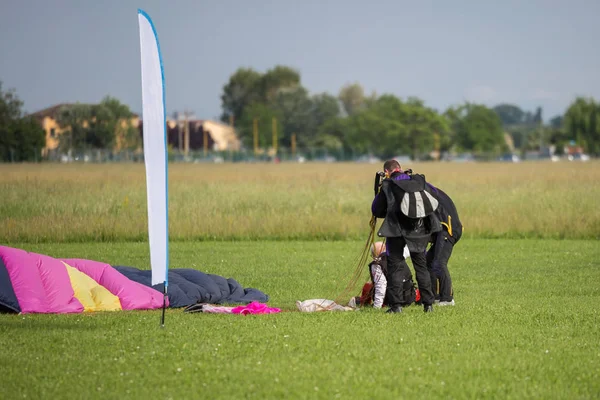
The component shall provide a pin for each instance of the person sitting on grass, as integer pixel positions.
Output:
(374, 291)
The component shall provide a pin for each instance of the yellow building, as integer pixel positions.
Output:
(48, 120)
(195, 134)
(217, 136)
(121, 141)
(222, 135)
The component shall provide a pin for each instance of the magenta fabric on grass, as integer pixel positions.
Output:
(255, 308)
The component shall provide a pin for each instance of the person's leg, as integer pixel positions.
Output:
(435, 284)
(379, 284)
(396, 268)
(446, 294)
(423, 278)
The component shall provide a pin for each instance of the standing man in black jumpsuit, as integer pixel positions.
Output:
(408, 208)
(442, 244)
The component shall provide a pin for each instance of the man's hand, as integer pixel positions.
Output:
(378, 177)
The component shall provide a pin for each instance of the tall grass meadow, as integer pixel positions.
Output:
(107, 202)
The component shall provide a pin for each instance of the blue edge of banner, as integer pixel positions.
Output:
(162, 74)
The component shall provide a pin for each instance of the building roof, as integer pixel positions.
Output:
(50, 111)
(53, 110)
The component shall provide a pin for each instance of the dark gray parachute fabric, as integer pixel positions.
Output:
(189, 286)
(8, 299)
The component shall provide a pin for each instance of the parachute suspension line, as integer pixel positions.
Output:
(363, 258)
(362, 262)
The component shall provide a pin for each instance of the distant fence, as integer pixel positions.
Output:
(283, 155)
(314, 154)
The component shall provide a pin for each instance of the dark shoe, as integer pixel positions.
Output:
(396, 309)
(193, 308)
(428, 308)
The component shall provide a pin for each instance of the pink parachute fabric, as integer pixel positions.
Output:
(133, 295)
(255, 308)
(41, 283)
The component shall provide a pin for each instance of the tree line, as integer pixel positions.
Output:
(21, 136)
(382, 125)
(84, 126)
(98, 126)
(386, 125)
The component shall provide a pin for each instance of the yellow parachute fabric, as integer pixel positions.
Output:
(91, 295)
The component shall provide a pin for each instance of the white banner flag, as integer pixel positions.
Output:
(155, 148)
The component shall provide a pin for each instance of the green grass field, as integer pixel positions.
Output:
(526, 323)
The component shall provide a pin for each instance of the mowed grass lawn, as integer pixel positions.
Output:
(526, 325)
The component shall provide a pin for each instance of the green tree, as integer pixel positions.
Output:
(21, 137)
(390, 126)
(295, 108)
(537, 117)
(10, 110)
(377, 129)
(325, 107)
(275, 79)
(422, 123)
(10, 106)
(477, 128)
(558, 137)
(74, 120)
(118, 123)
(97, 125)
(510, 114)
(582, 123)
(353, 98)
(264, 117)
(102, 127)
(520, 136)
(247, 86)
(557, 121)
(525, 128)
(30, 139)
(332, 134)
(241, 91)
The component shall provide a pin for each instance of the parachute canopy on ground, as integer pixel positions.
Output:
(37, 283)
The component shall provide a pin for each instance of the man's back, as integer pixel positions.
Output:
(446, 209)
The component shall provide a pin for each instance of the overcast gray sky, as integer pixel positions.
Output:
(527, 52)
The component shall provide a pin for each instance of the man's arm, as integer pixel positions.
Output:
(440, 239)
(379, 205)
(432, 188)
